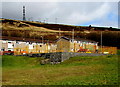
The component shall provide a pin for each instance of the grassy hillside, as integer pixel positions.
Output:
(19, 61)
(34, 30)
(101, 70)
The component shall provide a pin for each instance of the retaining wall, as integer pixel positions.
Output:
(61, 56)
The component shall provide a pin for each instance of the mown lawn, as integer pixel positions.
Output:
(102, 70)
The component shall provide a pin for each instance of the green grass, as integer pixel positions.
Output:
(118, 52)
(19, 61)
(102, 70)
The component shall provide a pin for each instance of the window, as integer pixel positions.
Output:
(40, 45)
(30, 42)
(3, 49)
(9, 42)
(17, 42)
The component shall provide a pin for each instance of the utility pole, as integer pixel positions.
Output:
(24, 13)
(56, 20)
(60, 42)
(73, 41)
(47, 46)
(59, 32)
(42, 39)
(101, 41)
(73, 35)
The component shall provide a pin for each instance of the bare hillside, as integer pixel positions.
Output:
(34, 30)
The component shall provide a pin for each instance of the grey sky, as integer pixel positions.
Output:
(74, 13)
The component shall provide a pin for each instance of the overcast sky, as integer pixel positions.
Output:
(73, 13)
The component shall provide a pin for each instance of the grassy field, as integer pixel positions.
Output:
(102, 70)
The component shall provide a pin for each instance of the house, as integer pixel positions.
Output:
(30, 47)
(7, 45)
(21, 48)
(108, 50)
(25, 47)
(65, 44)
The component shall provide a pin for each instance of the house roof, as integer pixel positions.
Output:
(76, 39)
(64, 38)
(45, 41)
(24, 39)
(84, 40)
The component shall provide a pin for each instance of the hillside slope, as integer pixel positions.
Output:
(51, 32)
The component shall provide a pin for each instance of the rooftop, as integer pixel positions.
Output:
(77, 39)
